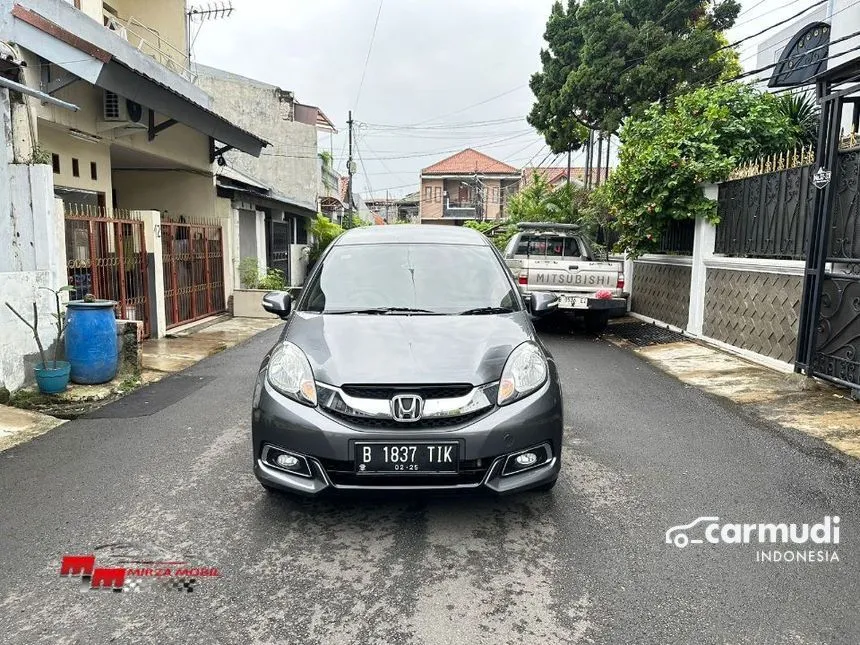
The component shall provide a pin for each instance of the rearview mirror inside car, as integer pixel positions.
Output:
(278, 303)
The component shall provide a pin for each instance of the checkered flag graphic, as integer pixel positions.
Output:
(178, 584)
(133, 584)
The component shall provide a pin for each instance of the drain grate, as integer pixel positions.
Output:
(644, 334)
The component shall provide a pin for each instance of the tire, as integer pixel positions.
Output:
(596, 321)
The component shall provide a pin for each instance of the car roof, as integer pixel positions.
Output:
(413, 234)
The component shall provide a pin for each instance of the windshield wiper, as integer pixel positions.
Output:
(382, 311)
(486, 311)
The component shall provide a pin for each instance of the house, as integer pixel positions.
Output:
(290, 170)
(113, 147)
(408, 208)
(396, 210)
(466, 186)
(557, 176)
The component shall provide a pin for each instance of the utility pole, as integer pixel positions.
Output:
(588, 153)
(569, 149)
(599, 156)
(349, 168)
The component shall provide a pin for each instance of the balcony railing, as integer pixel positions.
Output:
(460, 210)
(150, 42)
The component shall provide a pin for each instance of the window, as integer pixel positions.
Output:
(94, 171)
(551, 247)
(442, 278)
(428, 193)
(55, 162)
(437, 194)
(76, 168)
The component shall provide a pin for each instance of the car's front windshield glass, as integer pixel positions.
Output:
(416, 278)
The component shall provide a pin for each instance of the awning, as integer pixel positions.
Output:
(232, 180)
(100, 57)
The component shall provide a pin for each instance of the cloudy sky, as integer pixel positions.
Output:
(442, 75)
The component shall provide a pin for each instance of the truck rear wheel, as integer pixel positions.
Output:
(596, 321)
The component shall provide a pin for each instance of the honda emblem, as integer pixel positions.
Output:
(407, 408)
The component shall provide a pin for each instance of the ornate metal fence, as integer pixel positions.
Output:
(106, 256)
(193, 259)
(765, 215)
(837, 335)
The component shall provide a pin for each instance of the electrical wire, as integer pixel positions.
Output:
(367, 58)
(773, 26)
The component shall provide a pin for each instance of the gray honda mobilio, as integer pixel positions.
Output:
(409, 362)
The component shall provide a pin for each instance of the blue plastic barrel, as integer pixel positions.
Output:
(91, 344)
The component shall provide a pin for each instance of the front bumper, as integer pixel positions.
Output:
(328, 445)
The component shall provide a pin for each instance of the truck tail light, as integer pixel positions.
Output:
(620, 283)
(523, 279)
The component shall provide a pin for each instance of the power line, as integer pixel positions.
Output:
(773, 26)
(367, 58)
(469, 107)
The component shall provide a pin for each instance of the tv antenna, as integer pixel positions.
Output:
(202, 13)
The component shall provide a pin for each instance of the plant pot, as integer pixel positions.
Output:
(52, 380)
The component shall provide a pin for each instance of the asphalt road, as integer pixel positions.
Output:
(586, 563)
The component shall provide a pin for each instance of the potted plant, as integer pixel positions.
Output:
(53, 377)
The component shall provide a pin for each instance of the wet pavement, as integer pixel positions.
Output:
(586, 563)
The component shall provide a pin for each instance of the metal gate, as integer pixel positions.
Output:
(106, 256)
(278, 243)
(829, 337)
(193, 258)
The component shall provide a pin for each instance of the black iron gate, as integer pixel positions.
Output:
(278, 246)
(829, 337)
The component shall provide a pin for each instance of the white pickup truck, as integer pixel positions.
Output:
(557, 259)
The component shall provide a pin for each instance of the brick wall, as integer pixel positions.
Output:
(662, 292)
(754, 311)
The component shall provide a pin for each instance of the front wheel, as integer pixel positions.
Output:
(596, 321)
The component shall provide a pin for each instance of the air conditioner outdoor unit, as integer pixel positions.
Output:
(117, 108)
(121, 115)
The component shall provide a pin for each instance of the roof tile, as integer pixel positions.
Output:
(469, 162)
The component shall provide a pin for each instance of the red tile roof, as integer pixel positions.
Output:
(554, 175)
(469, 162)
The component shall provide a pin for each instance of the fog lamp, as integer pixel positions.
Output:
(526, 459)
(287, 461)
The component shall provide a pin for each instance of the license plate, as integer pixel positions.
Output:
(407, 457)
(573, 302)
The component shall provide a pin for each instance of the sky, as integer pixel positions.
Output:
(440, 76)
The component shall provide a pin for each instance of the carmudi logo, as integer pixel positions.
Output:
(820, 538)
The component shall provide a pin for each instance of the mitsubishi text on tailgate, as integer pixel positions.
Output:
(558, 259)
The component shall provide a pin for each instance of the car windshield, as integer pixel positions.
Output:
(410, 278)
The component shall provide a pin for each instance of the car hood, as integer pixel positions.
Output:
(395, 349)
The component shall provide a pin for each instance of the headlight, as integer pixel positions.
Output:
(290, 374)
(525, 371)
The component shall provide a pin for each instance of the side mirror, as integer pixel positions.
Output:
(278, 303)
(542, 303)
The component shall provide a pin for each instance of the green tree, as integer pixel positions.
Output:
(324, 232)
(666, 153)
(607, 59)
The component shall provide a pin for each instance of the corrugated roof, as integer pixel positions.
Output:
(469, 162)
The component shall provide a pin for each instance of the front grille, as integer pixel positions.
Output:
(422, 424)
(424, 391)
(342, 473)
